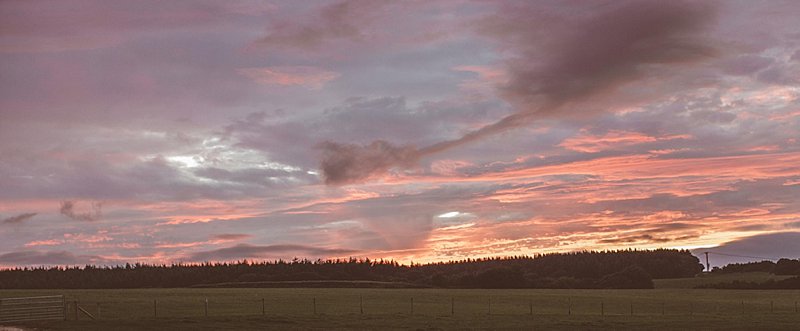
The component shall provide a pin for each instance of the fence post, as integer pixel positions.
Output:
(412, 305)
(602, 309)
(361, 304)
(76, 310)
(64, 303)
(569, 306)
(314, 302)
(98, 311)
(452, 306)
(691, 309)
(631, 308)
(263, 307)
(206, 307)
(155, 308)
(530, 305)
(743, 311)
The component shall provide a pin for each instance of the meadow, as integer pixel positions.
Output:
(354, 308)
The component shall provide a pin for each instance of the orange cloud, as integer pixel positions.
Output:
(50, 242)
(588, 143)
(643, 166)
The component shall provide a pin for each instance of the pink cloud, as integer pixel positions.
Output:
(50, 242)
(588, 143)
(309, 77)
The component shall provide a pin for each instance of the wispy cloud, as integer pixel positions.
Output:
(310, 77)
(18, 219)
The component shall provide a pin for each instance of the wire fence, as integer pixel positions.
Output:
(176, 307)
(32, 308)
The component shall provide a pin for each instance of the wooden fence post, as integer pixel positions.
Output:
(263, 307)
(530, 305)
(631, 308)
(361, 304)
(155, 308)
(206, 307)
(569, 306)
(452, 306)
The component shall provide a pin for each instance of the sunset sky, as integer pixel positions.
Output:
(190, 131)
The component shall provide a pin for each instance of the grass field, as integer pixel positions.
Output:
(287, 308)
(757, 277)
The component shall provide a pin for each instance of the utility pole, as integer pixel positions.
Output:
(708, 266)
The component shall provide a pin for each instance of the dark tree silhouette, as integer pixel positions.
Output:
(611, 269)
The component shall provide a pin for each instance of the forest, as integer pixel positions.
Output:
(587, 269)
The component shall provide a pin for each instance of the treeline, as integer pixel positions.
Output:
(783, 267)
(607, 269)
(784, 284)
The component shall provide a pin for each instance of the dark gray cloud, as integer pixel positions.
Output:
(594, 56)
(94, 213)
(247, 251)
(358, 120)
(344, 20)
(231, 236)
(349, 163)
(18, 219)
(27, 258)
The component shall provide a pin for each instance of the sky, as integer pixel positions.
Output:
(419, 131)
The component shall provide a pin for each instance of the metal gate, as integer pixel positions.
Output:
(33, 308)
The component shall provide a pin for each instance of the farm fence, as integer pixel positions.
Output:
(33, 308)
(167, 307)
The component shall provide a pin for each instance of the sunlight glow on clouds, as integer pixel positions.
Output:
(197, 131)
(310, 77)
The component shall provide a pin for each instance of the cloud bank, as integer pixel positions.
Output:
(596, 55)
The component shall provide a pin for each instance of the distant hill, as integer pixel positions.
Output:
(606, 269)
